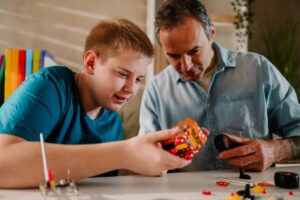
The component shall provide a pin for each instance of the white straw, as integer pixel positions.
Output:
(234, 181)
(44, 158)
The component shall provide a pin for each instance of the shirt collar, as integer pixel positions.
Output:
(225, 57)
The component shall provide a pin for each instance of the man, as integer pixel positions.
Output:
(240, 94)
(77, 115)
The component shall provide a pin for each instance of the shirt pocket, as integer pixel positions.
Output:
(246, 133)
(238, 112)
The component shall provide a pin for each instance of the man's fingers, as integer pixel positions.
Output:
(258, 166)
(254, 154)
(248, 164)
(237, 139)
(238, 152)
(205, 131)
(243, 162)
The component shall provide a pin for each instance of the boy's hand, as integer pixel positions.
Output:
(144, 154)
(205, 131)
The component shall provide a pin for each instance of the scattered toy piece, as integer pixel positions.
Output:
(236, 182)
(259, 189)
(234, 197)
(289, 180)
(243, 175)
(49, 179)
(246, 193)
(222, 183)
(265, 184)
(206, 192)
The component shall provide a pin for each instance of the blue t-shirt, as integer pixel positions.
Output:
(48, 102)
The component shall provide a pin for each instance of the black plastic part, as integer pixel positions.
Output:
(243, 175)
(222, 143)
(246, 193)
(168, 146)
(289, 180)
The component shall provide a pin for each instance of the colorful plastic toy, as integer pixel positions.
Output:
(188, 141)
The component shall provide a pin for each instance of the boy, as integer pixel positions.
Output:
(72, 109)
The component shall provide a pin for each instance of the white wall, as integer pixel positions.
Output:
(225, 31)
(61, 26)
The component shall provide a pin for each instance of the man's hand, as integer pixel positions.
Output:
(256, 154)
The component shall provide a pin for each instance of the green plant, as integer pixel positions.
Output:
(281, 50)
(243, 16)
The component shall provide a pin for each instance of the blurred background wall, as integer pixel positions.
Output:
(276, 35)
(60, 26)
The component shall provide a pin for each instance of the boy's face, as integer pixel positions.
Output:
(116, 80)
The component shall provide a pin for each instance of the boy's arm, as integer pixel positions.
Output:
(21, 161)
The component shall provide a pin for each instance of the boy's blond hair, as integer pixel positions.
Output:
(114, 36)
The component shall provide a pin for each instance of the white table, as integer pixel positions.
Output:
(172, 186)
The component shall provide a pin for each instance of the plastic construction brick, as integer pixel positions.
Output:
(189, 140)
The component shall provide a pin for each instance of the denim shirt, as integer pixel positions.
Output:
(247, 97)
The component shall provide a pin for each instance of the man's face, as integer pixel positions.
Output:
(117, 80)
(188, 49)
